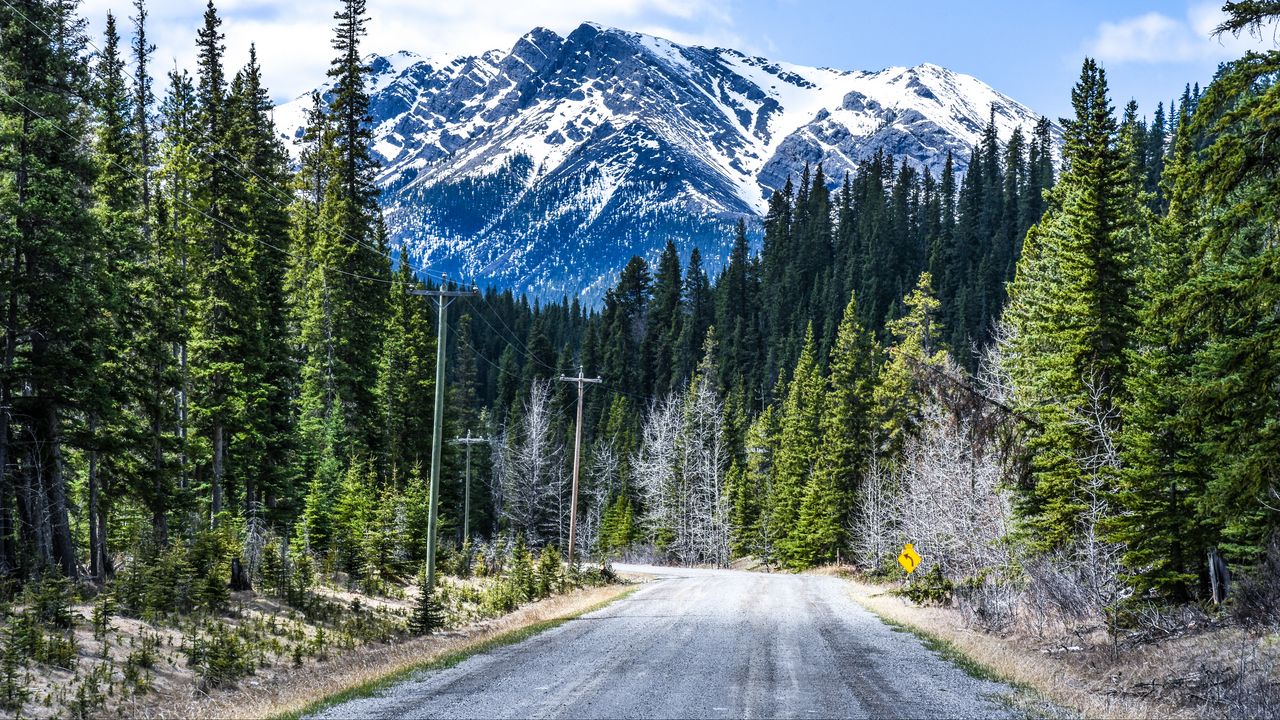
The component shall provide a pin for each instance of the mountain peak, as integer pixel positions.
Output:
(545, 167)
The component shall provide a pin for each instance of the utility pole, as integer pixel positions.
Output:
(444, 296)
(468, 441)
(577, 455)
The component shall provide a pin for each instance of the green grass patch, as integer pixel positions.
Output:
(948, 651)
(511, 637)
(1024, 700)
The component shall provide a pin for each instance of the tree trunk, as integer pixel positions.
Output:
(64, 551)
(250, 496)
(215, 506)
(95, 509)
(159, 519)
(239, 576)
(8, 553)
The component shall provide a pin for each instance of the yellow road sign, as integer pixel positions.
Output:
(909, 559)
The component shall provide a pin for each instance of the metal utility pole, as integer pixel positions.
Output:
(444, 296)
(577, 455)
(468, 441)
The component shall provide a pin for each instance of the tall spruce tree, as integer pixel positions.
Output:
(1163, 479)
(111, 427)
(698, 314)
(1227, 306)
(406, 380)
(1071, 310)
(177, 224)
(848, 440)
(157, 294)
(344, 294)
(913, 350)
(798, 445)
(224, 321)
(662, 324)
(259, 164)
(50, 301)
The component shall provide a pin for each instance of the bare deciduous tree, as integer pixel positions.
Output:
(872, 529)
(601, 484)
(531, 471)
(680, 468)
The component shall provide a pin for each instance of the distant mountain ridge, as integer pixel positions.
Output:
(544, 168)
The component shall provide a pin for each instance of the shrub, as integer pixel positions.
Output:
(466, 556)
(89, 696)
(219, 658)
(13, 659)
(51, 599)
(58, 649)
(522, 572)
(500, 597)
(931, 589)
(211, 554)
(155, 584)
(427, 613)
(102, 610)
(549, 578)
(987, 602)
(300, 580)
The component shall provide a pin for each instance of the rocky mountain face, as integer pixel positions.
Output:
(545, 167)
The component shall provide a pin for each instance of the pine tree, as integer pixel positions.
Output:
(343, 314)
(177, 224)
(406, 379)
(1226, 308)
(259, 164)
(223, 309)
(353, 517)
(623, 318)
(737, 295)
(427, 615)
(50, 301)
(750, 489)
(797, 449)
(848, 440)
(1071, 310)
(158, 293)
(662, 324)
(112, 431)
(1162, 481)
(698, 306)
(913, 350)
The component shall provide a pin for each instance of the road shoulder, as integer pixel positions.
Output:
(1042, 687)
(366, 669)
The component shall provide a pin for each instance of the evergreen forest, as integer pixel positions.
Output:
(1063, 364)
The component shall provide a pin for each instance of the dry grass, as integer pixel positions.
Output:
(288, 691)
(1195, 674)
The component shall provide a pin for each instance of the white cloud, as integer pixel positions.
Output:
(292, 36)
(1159, 38)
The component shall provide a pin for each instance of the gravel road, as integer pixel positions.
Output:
(702, 644)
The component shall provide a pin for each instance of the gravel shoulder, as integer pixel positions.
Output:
(704, 644)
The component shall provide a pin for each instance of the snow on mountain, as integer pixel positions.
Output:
(545, 167)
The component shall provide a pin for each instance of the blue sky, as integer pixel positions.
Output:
(1028, 50)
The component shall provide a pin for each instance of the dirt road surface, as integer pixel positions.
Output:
(703, 644)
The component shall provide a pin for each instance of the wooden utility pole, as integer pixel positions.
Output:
(577, 456)
(468, 441)
(444, 296)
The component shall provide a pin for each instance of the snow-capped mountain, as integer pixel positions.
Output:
(544, 168)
